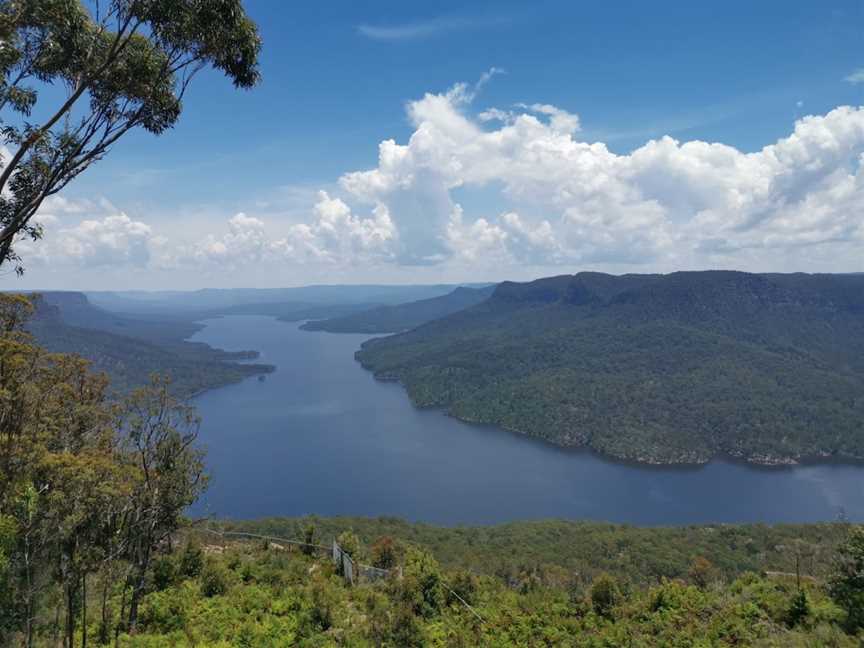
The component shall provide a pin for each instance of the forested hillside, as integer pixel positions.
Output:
(653, 368)
(129, 350)
(401, 317)
(557, 549)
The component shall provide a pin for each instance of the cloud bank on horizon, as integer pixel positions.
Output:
(569, 203)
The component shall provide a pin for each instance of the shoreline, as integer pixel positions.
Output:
(240, 358)
(759, 462)
(265, 369)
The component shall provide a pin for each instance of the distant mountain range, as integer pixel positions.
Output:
(401, 317)
(220, 300)
(671, 368)
(130, 350)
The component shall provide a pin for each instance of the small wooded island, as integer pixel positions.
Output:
(660, 369)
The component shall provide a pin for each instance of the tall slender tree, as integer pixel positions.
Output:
(160, 434)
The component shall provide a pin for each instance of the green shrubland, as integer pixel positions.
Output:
(257, 594)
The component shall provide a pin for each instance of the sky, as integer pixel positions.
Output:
(402, 142)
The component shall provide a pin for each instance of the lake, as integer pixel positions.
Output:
(321, 435)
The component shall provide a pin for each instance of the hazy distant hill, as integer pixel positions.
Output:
(129, 350)
(294, 311)
(221, 300)
(400, 317)
(77, 310)
(655, 368)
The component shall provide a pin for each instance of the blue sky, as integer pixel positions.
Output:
(341, 77)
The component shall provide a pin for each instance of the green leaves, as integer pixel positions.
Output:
(85, 485)
(126, 66)
(422, 587)
(256, 605)
(847, 582)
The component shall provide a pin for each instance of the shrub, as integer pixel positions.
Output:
(384, 553)
(164, 573)
(191, 560)
(701, 572)
(309, 539)
(165, 612)
(350, 544)
(405, 631)
(465, 585)
(847, 581)
(323, 605)
(799, 610)
(421, 583)
(215, 579)
(605, 595)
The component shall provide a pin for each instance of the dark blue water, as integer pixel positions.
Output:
(321, 436)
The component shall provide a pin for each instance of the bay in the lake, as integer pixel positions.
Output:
(322, 436)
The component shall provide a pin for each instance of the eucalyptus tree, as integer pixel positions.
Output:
(87, 485)
(63, 488)
(160, 436)
(121, 64)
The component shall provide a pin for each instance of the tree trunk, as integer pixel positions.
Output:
(57, 624)
(138, 587)
(84, 610)
(103, 630)
(70, 615)
(122, 612)
(28, 604)
(137, 591)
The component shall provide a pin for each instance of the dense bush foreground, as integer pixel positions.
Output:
(255, 594)
(202, 590)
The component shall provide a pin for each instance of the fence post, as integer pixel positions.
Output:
(348, 568)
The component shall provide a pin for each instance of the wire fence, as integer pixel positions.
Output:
(267, 538)
(353, 572)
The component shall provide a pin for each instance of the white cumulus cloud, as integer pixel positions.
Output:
(333, 236)
(668, 204)
(103, 236)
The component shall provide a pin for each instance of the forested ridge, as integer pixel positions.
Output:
(654, 368)
(400, 317)
(129, 349)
